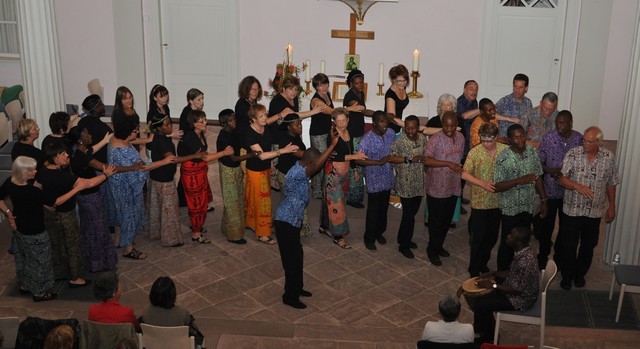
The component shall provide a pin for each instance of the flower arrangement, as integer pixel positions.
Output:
(284, 70)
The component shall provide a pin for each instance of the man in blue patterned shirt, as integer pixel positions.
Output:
(514, 105)
(289, 217)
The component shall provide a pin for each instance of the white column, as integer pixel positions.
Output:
(623, 234)
(40, 60)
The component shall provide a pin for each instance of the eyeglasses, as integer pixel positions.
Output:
(401, 81)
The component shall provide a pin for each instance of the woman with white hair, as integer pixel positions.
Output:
(34, 263)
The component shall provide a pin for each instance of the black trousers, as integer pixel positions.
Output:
(440, 214)
(583, 231)
(505, 253)
(292, 258)
(376, 221)
(485, 225)
(554, 207)
(483, 321)
(410, 207)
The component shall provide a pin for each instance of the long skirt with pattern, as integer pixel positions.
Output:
(34, 268)
(232, 184)
(97, 247)
(162, 206)
(336, 185)
(356, 178)
(305, 230)
(197, 192)
(257, 202)
(64, 234)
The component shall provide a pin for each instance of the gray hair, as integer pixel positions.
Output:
(447, 97)
(449, 308)
(598, 131)
(21, 165)
(339, 111)
(550, 97)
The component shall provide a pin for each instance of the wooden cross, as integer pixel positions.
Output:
(352, 34)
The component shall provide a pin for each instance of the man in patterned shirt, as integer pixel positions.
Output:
(520, 288)
(541, 119)
(378, 173)
(517, 177)
(553, 147)
(589, 175)
(485, 208)
(514, 105)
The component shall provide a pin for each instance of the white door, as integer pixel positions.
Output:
(200, 50)
(522, 36)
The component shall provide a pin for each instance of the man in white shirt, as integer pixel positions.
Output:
(448, 330)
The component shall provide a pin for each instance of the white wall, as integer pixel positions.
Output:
(10, 73)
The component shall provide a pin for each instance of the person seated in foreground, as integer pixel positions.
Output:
(518, 291)
(163, 310)
(60, 337)
(449, 329)
(108, 290)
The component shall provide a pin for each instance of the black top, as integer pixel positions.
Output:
(436, 122)
(265, 141)
(356, 119)
(286, 161)
(49, 139)
(57, 183)
(160, 146)
(119, 114)
(27, 206)
(342, 149)
(224, 140)
(97, 129)
(242, 120)
(321, 122)
(278, 104)
(81, 168)
(192, 143)
(184, 117)
(154, 111)
(23, 149)
(400, 105)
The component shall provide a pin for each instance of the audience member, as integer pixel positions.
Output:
(448, 329)
(60, 337)
(589, 175)
(107, 290)
(126, 343)
(514, 105)
(518, 291)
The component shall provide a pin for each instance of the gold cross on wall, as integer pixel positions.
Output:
(352, 34)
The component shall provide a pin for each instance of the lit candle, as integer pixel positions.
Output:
(416, 60)
(307, 72)
(381, 75)
(289, 53)
(322, 63)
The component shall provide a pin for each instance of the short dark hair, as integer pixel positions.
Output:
(412, 118)
(484, 102)
(468, 82)
(106, 286)
(245, 87)
(513, 128)
(52, 150)
(318, 79)
(522, 234)
(163, 293)
(398, 70)
(310, 154)
(74, 135)
(58, 122)
(193, 117)
(565, 113)
(449, 307)
(156, 90)
(289, 82)
(122, 127)
(352, 75)
(225, 115)
(521, 77)
(377, 115)
(450, 115)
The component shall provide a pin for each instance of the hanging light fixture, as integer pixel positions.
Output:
(360, 7)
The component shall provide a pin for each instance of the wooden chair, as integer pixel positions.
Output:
(9, 328)
(628, 277)
(538, 313)
(160, 337)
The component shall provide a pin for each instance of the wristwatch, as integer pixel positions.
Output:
(495, 286)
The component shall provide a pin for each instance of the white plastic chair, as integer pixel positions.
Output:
(628, 277)
(538, 313)
(9, 328)
(161, 337)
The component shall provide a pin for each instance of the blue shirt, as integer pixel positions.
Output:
(379, 178)
(295, 196)
(509, 106)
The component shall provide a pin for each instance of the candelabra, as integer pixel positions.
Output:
(380, 89)
(414, 92)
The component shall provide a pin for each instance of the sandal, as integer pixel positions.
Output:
(135, 254)
(201, 239)
(45, 297)
(325, 231)
(268, 240)
(342, 243)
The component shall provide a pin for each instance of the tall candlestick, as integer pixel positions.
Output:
(289, 53)
(322, 63)
(307, 72)
(381, 75)
(416, 60)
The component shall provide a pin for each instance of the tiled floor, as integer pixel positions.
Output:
(361, 299)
